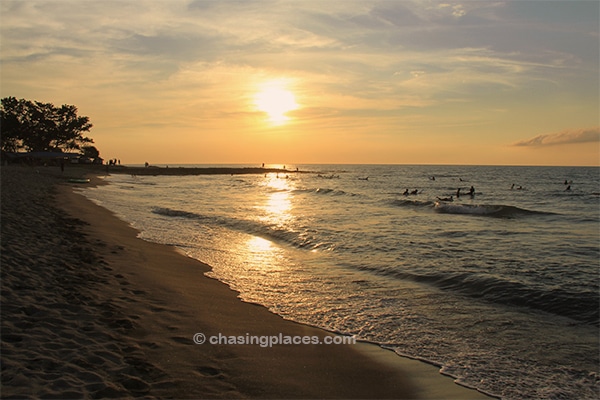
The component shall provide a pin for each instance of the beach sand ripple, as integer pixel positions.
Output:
(61, 337)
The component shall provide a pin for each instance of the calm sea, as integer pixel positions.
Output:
(499, 289)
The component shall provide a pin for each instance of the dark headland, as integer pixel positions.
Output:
(152, 170)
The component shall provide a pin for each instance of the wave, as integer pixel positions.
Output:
(500, 210)
(167, 212)
(325, 191)
(412, 203)
(582, 306)
(134, 182)
(503, 211)
(299, 239)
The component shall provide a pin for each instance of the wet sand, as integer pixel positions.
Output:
(90, 310)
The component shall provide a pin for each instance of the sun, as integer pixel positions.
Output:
(275, 100)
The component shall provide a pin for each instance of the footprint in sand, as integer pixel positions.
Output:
(182, 340)
(208, 371)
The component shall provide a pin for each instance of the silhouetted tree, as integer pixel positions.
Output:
(37, 126)
(13, 124)
(90, 152)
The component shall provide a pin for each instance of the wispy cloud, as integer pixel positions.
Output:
(570, 136)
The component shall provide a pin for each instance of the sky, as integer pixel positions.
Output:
(299, 82)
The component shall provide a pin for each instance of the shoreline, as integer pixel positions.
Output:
(185, 171)
(142, 320)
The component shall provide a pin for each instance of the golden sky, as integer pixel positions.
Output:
(403, 82)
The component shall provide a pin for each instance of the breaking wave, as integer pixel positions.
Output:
(485, 210)
(582, 306)
(300, 239)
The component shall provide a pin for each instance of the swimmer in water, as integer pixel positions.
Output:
(445, 199)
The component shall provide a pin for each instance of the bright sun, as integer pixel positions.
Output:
(275, 100)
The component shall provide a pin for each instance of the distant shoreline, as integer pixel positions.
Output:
(176, 171)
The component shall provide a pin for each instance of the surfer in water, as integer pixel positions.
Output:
(445, 198)
(472, 191)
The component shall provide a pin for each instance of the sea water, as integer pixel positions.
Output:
(500, 289)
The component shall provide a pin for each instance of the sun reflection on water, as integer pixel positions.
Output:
(275, 211)
(264, 260)
(256, 244)
(278, 204)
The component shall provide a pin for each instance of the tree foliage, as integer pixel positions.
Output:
(37, 126)
(90, 152)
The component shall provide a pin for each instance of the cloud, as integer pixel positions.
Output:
(457, 10)
(376, 65)
(570, 136)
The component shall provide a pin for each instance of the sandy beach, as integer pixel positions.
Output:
(91, 311)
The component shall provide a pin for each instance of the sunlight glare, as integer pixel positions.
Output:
(259, 245)
(278, 202)
(275, 100)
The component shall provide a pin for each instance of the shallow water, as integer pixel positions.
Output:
(499, 289)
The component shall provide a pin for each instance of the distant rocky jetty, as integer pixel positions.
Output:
(151, 170)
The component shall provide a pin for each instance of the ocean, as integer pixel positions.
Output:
(500, 289)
